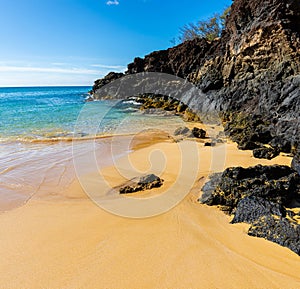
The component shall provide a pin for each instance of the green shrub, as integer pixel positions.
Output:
(209, 29)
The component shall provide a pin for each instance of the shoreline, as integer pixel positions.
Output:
(61, 139)
(82, 245)
(31, 168)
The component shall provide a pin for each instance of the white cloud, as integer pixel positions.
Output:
(58, 63)
(116, 67)
(48, 70)
(22, 75)
(37, 79)
(112, 2)
(25, 74)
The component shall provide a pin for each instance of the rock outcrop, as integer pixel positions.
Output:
(278, 230)
(166, 103)
(183, 131)
(265, 153)
(195, 132)
(296, 163)
(147, 182)
(260, 196)
(253, 68)
(199, 132)
(176, 61)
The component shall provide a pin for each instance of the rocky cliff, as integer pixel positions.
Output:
(253, 68)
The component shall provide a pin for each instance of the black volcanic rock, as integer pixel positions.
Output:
(112, 76)
(249, 131)
(180, 61)
(296, 163)
(199, 132)
(147, 182)
(185, 131)
(209, 144)
(166, 103)
(274, 183)
(209, 188)
(176, 60)
(251, 209)
(259, 196)
(265, 153)
(281, 143)
(278, 230)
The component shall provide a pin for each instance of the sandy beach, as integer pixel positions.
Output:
(111, 126)
(68, 241)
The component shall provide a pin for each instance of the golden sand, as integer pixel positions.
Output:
(70, 242)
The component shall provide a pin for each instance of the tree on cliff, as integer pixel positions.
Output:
(210, 29)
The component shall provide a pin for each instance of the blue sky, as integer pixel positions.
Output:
(74, 42)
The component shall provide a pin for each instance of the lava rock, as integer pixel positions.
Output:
(210, 144)
(199, 132)
(150, 181)
(259, 196)
(144, 183)
(261, 134)
(183, 131)
(296, 163)
(112, 76)
(248, 145)
(166, 103)
(209, 188)
(251, 208)
(181, 107)
(250, 132)
(282, 144)
(277, 230)
(265, 153)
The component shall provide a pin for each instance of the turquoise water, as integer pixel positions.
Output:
(37, 124)
(40, 111)
(51, 113)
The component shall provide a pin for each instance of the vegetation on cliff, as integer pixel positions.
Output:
(209, 29)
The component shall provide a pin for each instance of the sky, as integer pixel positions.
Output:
(75, 42)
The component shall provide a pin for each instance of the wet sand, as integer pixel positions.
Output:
(63, 239)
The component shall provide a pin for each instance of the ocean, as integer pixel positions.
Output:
(51, 113)
(41, 127)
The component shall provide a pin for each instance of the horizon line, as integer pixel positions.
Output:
(37, 86)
